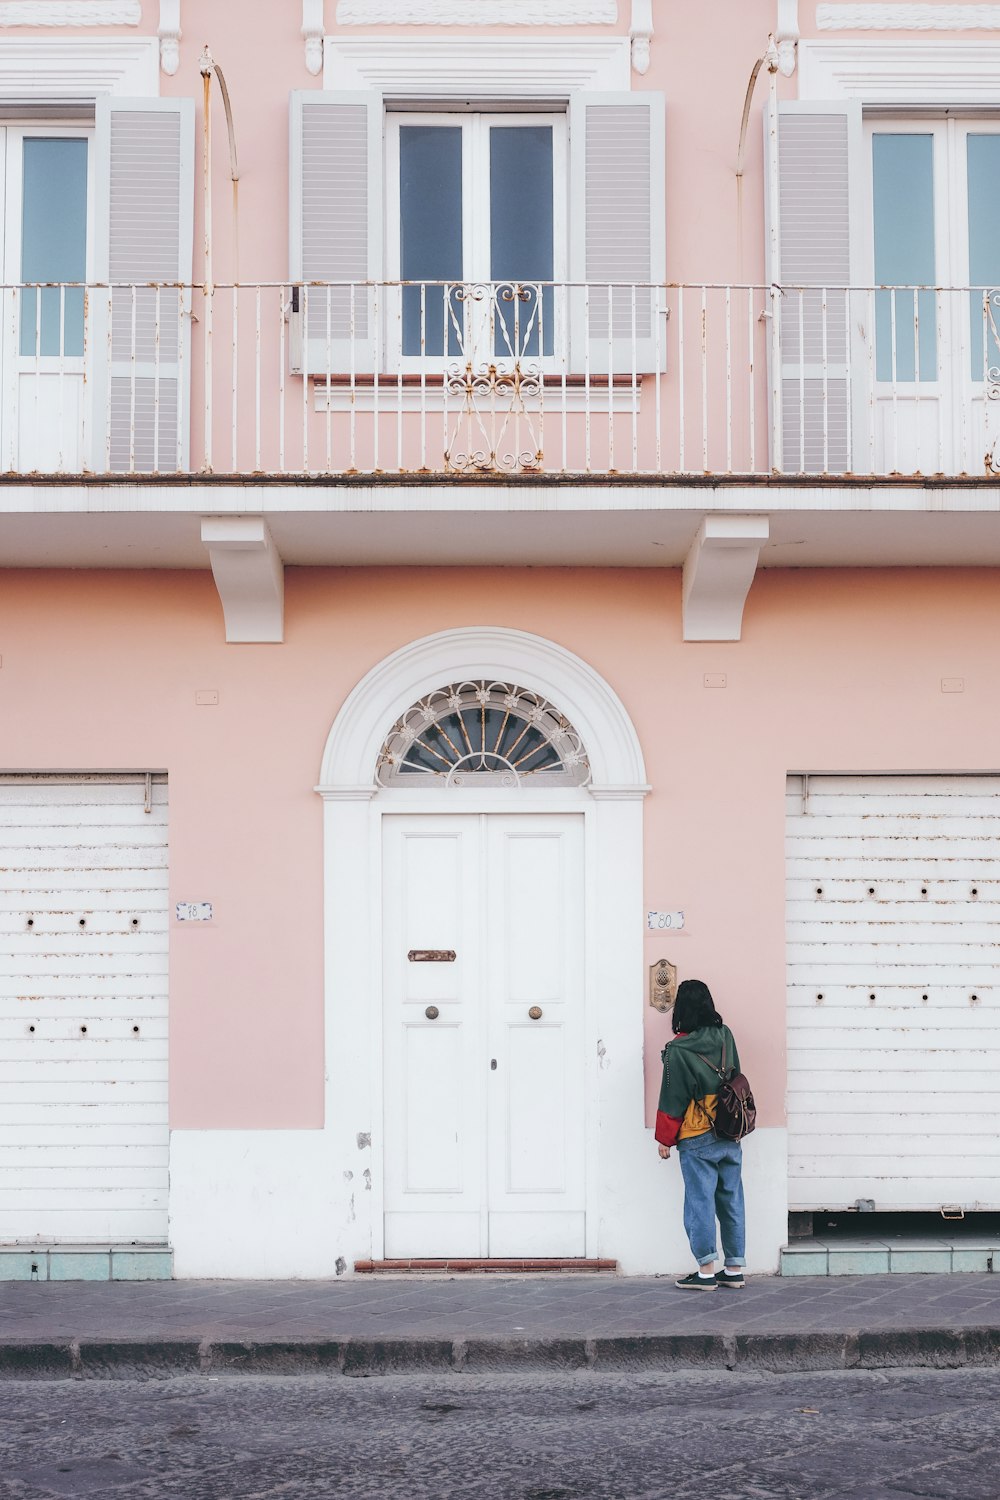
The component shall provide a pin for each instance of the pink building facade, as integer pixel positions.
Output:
(493, 497)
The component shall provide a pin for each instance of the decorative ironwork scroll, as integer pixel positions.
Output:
(483, 731)
(494, 389)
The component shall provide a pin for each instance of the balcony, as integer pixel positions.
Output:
(491, 381)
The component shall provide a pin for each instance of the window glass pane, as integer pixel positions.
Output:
(984, 245)
(430, 249)
(53, 242)
(521, 235)
(903, 177)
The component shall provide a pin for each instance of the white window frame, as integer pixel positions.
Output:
(15, 364)
(950, 187)
(476, 127)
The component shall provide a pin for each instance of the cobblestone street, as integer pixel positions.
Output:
(831, 1436)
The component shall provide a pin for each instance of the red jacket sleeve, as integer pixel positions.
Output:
(667, 1129)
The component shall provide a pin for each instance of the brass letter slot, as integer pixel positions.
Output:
(432, 955)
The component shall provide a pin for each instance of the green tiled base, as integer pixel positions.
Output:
(142, 1265)
(79, 1265)
(86, 1263)
(804, 1263)
(847, 1257)
(861, 1260)
(24, 1265)
(920, 1260)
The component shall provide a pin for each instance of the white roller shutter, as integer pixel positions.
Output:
(83, 1009)
(893, 991)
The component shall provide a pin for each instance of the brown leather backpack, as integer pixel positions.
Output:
(735, 1110)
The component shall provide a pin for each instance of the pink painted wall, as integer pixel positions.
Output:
(836, 671)
(705, 90)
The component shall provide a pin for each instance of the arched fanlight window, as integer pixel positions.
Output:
(481, 732)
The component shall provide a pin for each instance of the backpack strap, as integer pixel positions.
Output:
(722, 1072)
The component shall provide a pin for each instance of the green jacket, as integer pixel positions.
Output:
(689, 1088)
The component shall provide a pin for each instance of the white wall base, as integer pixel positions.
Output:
(642, 1220)
(254, 1203)
(288, 1204)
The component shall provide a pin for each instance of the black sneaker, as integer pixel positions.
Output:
(696, 1283)
(732, 1279)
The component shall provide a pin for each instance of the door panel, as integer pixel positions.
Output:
(536, 1128)
(484, 1103)
(433, 1089)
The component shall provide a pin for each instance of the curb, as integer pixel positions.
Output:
(778, 1353)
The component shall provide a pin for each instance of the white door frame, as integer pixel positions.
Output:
(353, 810)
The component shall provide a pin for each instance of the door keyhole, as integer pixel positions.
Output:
(493, 1064)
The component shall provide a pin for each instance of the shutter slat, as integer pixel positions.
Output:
(147, 155)
(814, 216)
(336, 227)
(617, 228)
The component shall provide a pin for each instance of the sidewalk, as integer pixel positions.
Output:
(478, 1324)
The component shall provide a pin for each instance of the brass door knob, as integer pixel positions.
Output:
(432, 1012)
(535, 1012)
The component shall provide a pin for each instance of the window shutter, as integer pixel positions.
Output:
(336, 231)
(145, 176)
(811, 236)
(617, 231)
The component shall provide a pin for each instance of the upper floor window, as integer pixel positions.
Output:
(935, 223)
(534, 233)
(476, 227)
(46, 189)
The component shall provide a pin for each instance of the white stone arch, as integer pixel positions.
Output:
(354, 806)
(383, 694)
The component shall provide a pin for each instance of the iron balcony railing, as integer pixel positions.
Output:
(472, 379)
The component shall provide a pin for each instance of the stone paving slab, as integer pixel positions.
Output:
(364, 1326)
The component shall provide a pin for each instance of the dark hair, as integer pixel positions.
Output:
(694, 1007)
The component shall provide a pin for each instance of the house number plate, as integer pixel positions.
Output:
(432, 955)
(663, 921)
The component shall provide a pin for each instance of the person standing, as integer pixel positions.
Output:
(711, 1167)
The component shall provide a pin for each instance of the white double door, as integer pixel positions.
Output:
(484, 1084)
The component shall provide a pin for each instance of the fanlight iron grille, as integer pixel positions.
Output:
(483, 732)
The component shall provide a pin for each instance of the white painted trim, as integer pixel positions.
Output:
(169, 32)
(786, 36)
(70, 12)
(477, 12)
(910, 71)
(908, 17)
(353, 899)
(312, 31)
(249, 576)
(641, 33)
(374, 705)
(496, 67)
(718, 573)
(55, 68)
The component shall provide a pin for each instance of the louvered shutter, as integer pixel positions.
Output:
(617, 231)
(812, 251)
(335, 220)
(145, 173)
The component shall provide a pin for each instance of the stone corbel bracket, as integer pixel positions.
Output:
(718, 572)
(312, 30)
(641, 34)
(249, 576)
(787, 35)
(169, 32)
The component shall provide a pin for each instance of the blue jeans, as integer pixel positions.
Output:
(713, 1185)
